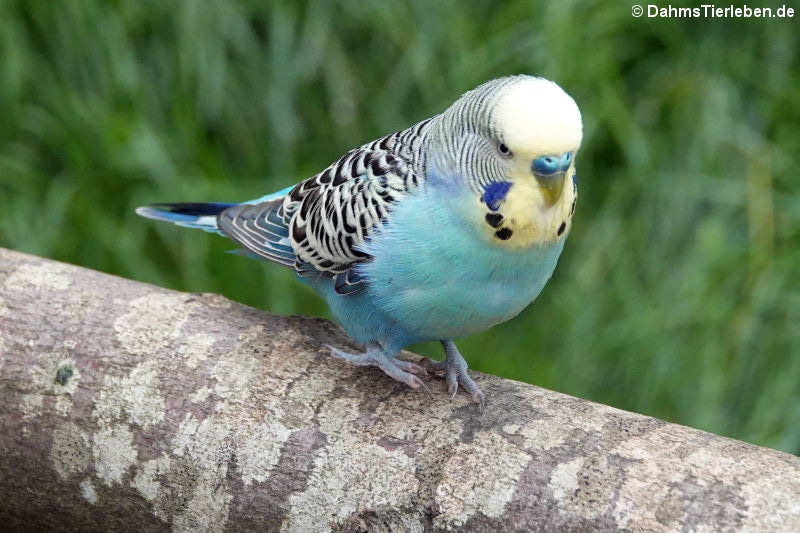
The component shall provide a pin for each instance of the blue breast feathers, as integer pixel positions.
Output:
(433, 276)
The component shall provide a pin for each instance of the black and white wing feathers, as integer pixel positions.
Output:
(321, 225)
(334, 213)
(260, 229)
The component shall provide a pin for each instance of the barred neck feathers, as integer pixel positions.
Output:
(409, 144)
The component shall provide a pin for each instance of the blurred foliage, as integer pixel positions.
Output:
(677, 294)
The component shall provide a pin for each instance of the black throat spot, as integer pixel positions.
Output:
(494, 219)
(503, 234)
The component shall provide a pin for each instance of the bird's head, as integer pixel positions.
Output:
(537, 131)
(514, 140)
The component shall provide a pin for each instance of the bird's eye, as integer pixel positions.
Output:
(504, 150)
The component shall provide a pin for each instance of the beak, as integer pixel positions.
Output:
(552, 186)
(549, 171)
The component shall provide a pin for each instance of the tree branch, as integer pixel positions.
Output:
(129, 407)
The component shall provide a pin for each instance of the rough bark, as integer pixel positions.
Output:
(124, 406)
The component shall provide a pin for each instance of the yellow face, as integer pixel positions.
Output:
(527, 216)
(538, 133)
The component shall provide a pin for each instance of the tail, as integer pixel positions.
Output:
(191, 215)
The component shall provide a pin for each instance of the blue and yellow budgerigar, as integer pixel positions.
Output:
(431, 233)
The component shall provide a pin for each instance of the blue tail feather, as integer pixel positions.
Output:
(191, 215)
(258, 228)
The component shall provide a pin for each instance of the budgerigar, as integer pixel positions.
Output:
(431, 233)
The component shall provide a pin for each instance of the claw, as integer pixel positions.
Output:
(413, 381)
(426, 388)
(434, 367)
(454, 368)
(452, 382)
(408, 366)
(399, 370)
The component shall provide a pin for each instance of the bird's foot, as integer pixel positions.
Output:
(399, 370)
(454, 369)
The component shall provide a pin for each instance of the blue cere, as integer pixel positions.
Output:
(550, 164)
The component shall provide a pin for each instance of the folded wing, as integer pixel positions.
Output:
(321, 225)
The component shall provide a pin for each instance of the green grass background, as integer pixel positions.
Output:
(678, 293)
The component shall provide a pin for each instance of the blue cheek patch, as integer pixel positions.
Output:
(494, 193)
(575, 179)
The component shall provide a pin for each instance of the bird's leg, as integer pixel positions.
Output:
(376, 355)
(455, 372)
